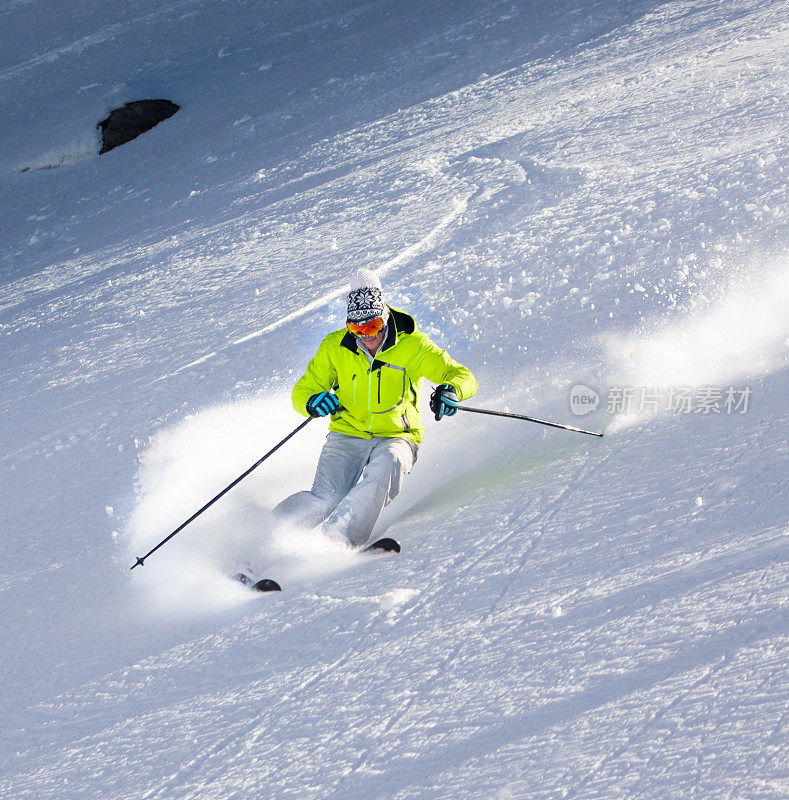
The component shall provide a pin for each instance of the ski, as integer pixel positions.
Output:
(385, 545)
(263, 585)
(267, 585)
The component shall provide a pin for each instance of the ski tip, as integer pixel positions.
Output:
(385, 545)
(267, 585)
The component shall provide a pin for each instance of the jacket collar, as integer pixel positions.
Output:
(399, 322)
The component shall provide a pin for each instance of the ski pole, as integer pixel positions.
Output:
(528, 419)
(141, 560)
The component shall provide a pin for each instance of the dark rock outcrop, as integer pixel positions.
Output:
(129, 121)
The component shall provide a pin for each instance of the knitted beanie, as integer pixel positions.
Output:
(366, 298)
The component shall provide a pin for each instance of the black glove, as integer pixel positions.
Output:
(323, 403)
(444, 401)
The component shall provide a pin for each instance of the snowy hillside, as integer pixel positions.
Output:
(578, 199)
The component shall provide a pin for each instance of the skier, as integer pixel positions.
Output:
(366, 376)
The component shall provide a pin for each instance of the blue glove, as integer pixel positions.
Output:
(444, 401)
(323, 403)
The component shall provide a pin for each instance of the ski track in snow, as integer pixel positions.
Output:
(464, 572)
(561, 193)
(408, 253)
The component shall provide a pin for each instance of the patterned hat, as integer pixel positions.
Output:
(366, 298)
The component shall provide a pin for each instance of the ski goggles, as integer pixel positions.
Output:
(368, 329)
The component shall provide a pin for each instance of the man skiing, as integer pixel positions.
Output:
(366, 376)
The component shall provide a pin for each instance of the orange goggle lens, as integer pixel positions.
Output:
(367, 329)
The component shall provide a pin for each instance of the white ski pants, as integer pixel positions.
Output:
(338, 498)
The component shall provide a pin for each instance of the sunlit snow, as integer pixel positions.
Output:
(579, 200)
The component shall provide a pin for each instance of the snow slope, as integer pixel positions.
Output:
(564, 194)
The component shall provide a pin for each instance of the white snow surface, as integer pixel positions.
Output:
(587, 193)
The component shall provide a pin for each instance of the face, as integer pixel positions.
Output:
(372, 342)
(369, 332)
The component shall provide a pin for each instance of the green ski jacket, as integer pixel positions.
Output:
(380, 398)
